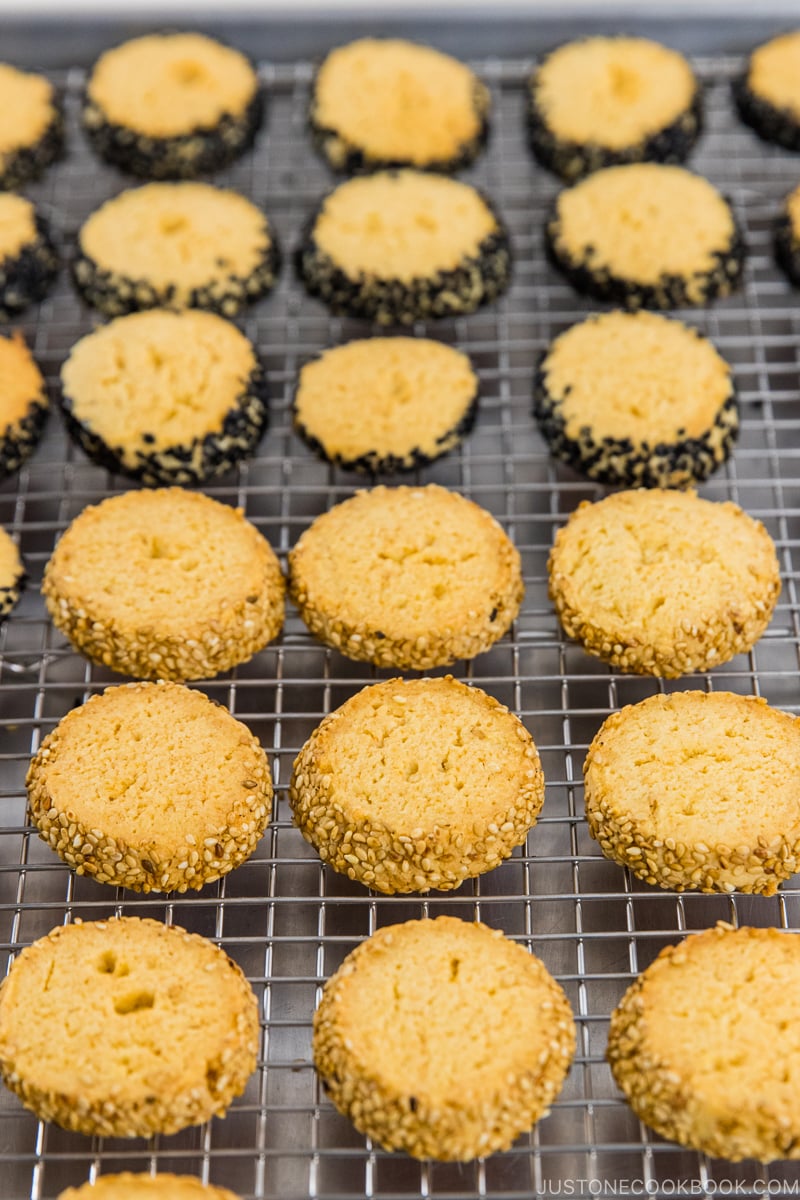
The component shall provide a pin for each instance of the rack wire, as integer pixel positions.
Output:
(289, 921)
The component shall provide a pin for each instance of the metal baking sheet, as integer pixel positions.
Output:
(287, 920)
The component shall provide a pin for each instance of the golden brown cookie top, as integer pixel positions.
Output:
(17, 224)
(26, 108)
(128, 1186)
(793, 211)
(402, 225)
(10, 561)
(21, 382)
(612, 91)
(171, 84)
(774, 72)
(397, 101)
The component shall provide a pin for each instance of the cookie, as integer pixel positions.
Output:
(646, 236)
(443, 1038)
(177, 245)
(147, 1187)
(768, 93)
(31, 126)
(12, 575)
(603, 101)
(150, 786)
(698, 790)
(662, 582)
(403, 246)
(704, 1044)
(172, 105)
(397, 788)
(636, 400)
(164, 584)
(386, 404)
(28, 258)
(392, 103)
(99, 1028)
(406, 577)
(787, 237)
(24, 404)
(165, 397)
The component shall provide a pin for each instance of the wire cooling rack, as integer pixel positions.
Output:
(287, 920)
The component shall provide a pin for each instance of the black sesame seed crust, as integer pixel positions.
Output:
(670, 291)
(574, 160)
(191, 464)
(28, 162)
(478, 279)
(787, 247)
(19, 440)
(346, 158)
(205, 150)
(116, 294)
(619, 462)
(27, 277)
(10, 594)
(779, 125)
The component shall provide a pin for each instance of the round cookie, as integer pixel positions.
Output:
(128, 1186)
(442, 1038)
(646, 236)
(177, 245)
(150, 786)
(24, 404)
(396, 788)
(604, 101)
(662, 582)
(698, 790)
(165, 397)
(403, 246)
(99, 1028)
(406, 577)
(12, 575)
(391, 103)
(164, 584)
(31, 126)
(705, 1044)
(787, 237)
(636, 400)
(28, 259)
(386, 404)
(768, 93)
(172, 105)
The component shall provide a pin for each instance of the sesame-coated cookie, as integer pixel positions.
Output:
(636, 400)
(128, 1186)
(164, 584)
(698, 790)
(31, 125)
(175, 245)
(768, 93)
(391, 103)
(603, 101)
(662, 582)
(386, 404)
(150, 786)
(416, 785)
(29, 261)
(443, 1038)
(172, 105)
(24, 403)
(406, 577)
(646, 236)
(787, 237)
(12, 575)
(165, 397)
(706, 1044)
(401, 246)
(126, 1028)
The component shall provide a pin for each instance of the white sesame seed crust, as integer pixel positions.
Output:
(157, 863)
(474, 1117)
(713, 1107)
(714, 628)
(128, 1186)
(761, 853)
(425, 849)
(102, 1098)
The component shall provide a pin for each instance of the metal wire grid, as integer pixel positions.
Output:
(288, 921)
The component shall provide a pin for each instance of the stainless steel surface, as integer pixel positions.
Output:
(284, 918)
